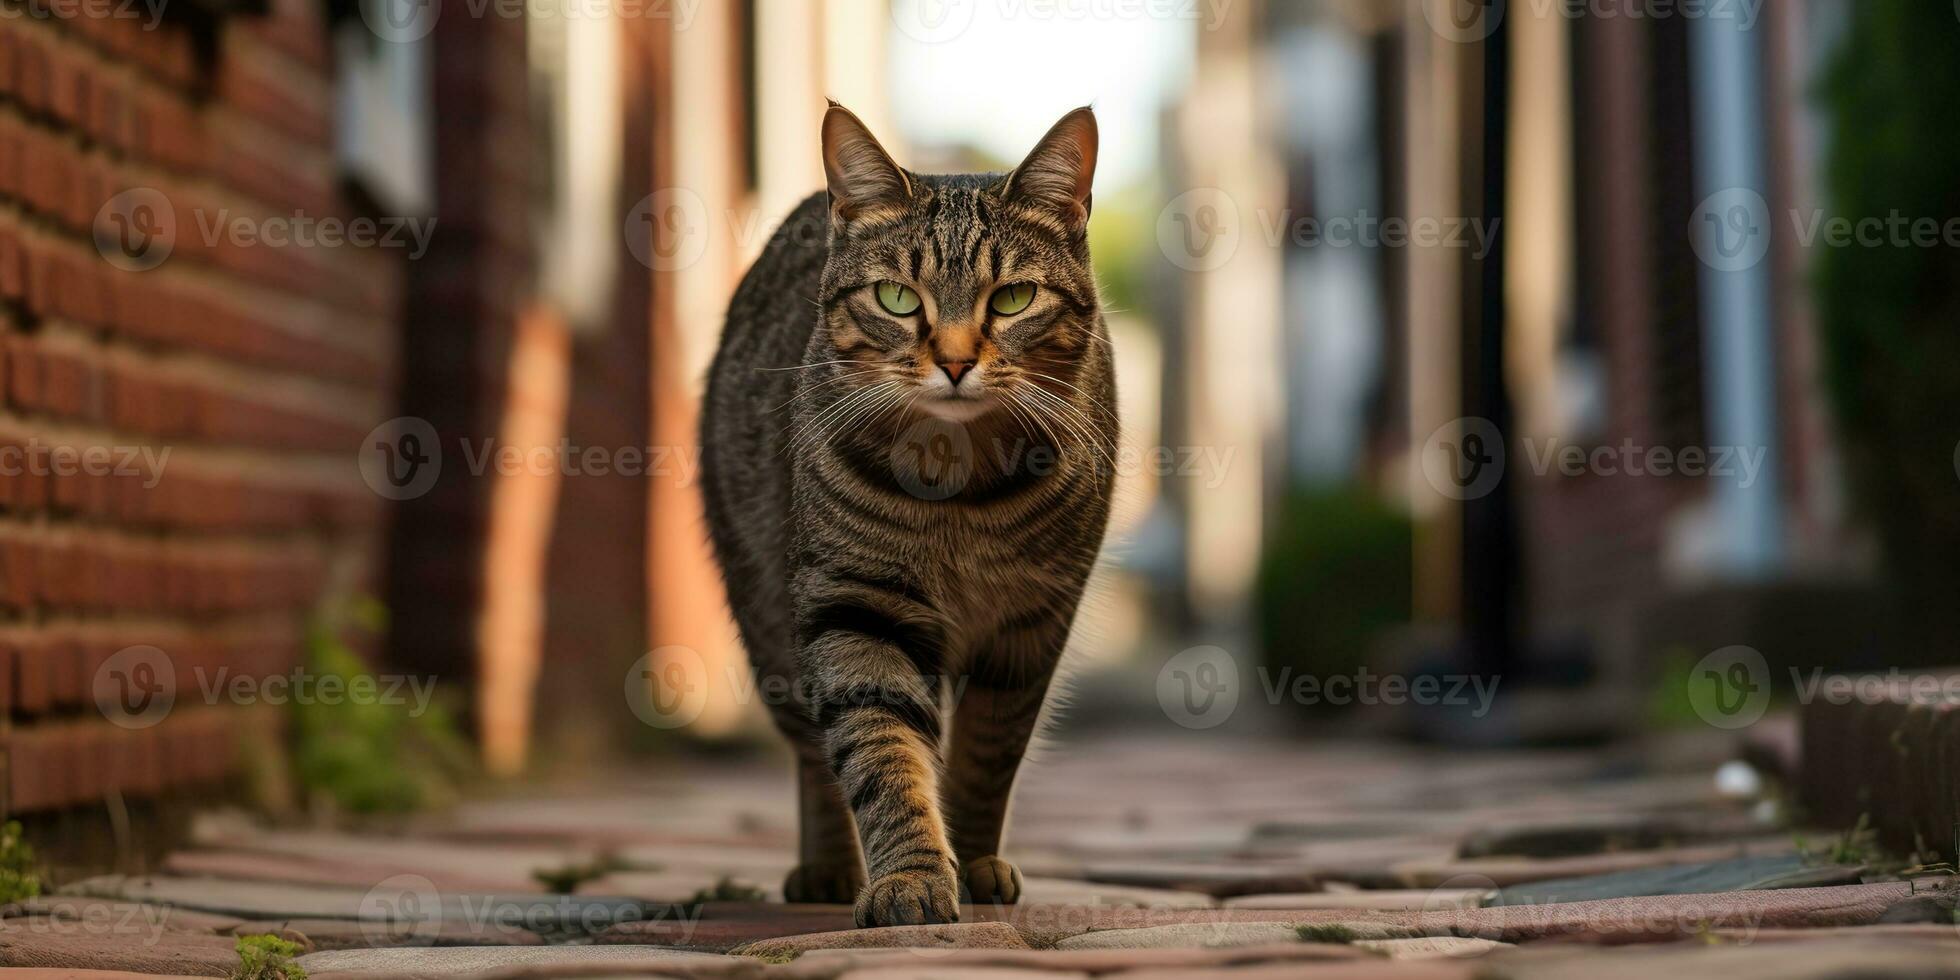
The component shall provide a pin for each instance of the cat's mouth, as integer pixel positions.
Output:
(956, 406)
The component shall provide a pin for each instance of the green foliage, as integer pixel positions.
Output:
(19, 877)
(1336, 572)
(366, 755)
(565, 879)
(1890, 314)
(267, 957)
(1326, 933)
(1123, 246)
(728, 890)
(1672, 702)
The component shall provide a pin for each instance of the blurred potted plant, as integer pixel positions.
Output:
(1890, 314)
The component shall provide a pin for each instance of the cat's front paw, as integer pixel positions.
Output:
(830, 884)
(909, 898)
(990, 881)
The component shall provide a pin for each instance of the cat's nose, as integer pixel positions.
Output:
(954, 369)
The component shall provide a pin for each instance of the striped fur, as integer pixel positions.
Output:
(911, 560)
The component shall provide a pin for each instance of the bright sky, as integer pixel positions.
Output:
(998, 73)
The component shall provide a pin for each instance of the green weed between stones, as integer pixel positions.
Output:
(19, 877)
(371, 756)
(728, 890)
(564, 880)
(1334, 933)
(267, 957)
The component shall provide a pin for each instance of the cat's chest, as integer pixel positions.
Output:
(979, 575)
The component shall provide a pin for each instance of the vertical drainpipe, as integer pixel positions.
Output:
(1735, 294)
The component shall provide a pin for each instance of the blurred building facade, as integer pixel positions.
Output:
(1620, 137)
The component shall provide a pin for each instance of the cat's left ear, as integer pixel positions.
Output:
(1058, 171)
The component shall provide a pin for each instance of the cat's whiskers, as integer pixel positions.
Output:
(827, 382)
(806, 367)
(1041, 420)
(1098, 406)
(1070, 417)
(813, 432)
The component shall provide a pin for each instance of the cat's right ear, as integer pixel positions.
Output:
(861, 176)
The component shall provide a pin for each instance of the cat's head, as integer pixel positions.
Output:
(959, 291)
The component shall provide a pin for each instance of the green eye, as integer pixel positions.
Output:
(1009, 300)
(897, 299)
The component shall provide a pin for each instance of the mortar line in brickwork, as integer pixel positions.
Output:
(205, 191)
(193, 367)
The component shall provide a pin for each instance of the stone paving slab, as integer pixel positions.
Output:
(117, 916)
(48, 944)
(461, 961)
(1432, 947)
(1215, 879)
(721, 926)
(35, 973)
(957, 935)
(925, 971)
(1505, 871)
(481, 868)
(1817, 959)
(1573, 835)
(1658, 918)
(302, 870)
(1064, 891)
(326, 934)
(1944, 933)
(1740, 874)
(1371, 968)
(1093, 962)
(405, 904)
(1390, 899)
(677, 887)
(1183, 935)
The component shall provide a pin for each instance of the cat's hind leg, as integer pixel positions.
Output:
(830, 869)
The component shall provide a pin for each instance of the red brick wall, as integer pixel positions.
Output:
(259, 368)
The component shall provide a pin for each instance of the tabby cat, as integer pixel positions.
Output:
(906, 443)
